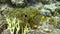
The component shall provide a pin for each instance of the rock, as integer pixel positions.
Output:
(36, 32)
(52, 7)
(38, 6)
(44, 1)
(57, 0)
(58, 24)
(17, 2)
(58, 9)
(5, 8)
(4, 1)
(6, 32)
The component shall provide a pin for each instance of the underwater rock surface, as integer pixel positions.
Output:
(49, 22)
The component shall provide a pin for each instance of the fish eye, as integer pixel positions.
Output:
(25, 15)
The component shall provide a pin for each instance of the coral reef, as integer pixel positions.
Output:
(29, 16)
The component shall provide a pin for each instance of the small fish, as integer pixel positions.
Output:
(45, 13)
